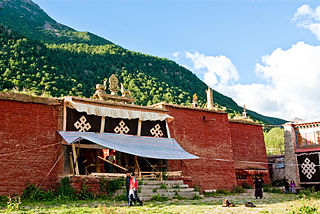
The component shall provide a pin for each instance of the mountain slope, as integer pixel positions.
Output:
(40, 60)
(27, 17)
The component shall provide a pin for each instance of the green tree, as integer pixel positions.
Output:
(274, 140)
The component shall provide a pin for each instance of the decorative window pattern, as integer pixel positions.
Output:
(308, 168)
(308, 164)
(82, 125)
(82, 122)
(122, 128)
(156, 131)
(154, 128)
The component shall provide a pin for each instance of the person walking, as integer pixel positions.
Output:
(258, 187)
(287, 186)
(133, 191)
(293, 187)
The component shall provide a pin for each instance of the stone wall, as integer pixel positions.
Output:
(291, 168)
(29, 145)
(209, 139)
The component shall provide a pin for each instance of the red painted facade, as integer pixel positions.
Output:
(209, 140)
(29, 146)
(248, 145)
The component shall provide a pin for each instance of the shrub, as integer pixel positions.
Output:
(307, 191)
(217, 193)
(176, 187)
(163, 186)
(159, 198)
(271, 189)
(222, 191)
(33, 193)
(114, 185)
(85, 193)
(238, 189)
(154, 190)
(103, 184)
(3, 199)
(196, 197)
(245, 185)
(65, 190)
(122, 197)
(197, 188)
(179, 197)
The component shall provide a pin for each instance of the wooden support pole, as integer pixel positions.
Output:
(113, 163)
(64, 116)
(139, 127)
(168, 131)
(138, 171)
(71, 164)
(75, 158)
(103, 121)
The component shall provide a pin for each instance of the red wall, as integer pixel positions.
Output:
(29, 145)
(248, 144)
(209, 140)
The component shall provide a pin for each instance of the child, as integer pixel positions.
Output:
(293, 187)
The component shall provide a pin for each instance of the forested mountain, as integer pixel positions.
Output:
(62, 61)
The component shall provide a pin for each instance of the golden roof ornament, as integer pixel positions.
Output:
(101, 93)
(124, 92)
(195, 100)
(209, 99)
(113, 85)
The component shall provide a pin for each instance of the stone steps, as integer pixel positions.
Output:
(172, 189)
(159, 186)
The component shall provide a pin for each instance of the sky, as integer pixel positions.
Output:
(262, 53)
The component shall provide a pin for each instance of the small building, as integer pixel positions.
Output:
(276, 167)
(302, 149)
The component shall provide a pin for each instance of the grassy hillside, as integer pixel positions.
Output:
(60, 62)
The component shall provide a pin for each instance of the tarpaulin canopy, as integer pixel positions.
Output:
(151, 147)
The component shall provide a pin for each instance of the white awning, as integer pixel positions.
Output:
(116, 112)
(150, 147)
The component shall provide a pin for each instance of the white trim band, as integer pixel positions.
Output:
(116, 112)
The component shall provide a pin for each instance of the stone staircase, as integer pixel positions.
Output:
(171, 189)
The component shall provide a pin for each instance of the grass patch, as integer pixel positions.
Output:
(163, 186)
(159, 198)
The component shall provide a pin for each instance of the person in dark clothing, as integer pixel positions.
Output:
(258, 187)
(128, 178)
(287, 186)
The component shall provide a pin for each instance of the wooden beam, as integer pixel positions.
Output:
(75, 158)
(113, 163)
(86, 146)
